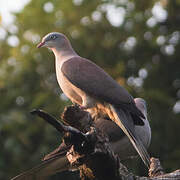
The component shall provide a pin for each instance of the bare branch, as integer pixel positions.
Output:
(88, 149)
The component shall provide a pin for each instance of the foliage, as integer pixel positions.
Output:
(141, 53)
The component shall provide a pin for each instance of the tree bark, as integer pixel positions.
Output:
(90, 150)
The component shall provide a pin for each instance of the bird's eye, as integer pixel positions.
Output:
(53, 37)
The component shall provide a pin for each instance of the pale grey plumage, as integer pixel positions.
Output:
(92, 88)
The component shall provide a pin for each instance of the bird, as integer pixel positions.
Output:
(57, 160)
(120, 143)
(94, 90)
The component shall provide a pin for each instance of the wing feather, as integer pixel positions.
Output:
(93, 80)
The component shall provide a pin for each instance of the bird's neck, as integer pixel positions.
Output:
(64, 53)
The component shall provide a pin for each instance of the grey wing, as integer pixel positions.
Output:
(96, 82)
(128, 128)
(92, 79)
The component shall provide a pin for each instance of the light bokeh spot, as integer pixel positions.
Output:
(64, 97)
(3, 33)
(48, 7)
(13, 41)
(96, 16)
(115, 15)
(159, 13)
(176, 107)
(143, 73)
(161, 40)
(19, 100)
(77, 2)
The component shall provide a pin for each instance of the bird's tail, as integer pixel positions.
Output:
(125, 122)
(45, 169)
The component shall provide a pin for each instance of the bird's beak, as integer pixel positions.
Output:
(41, 44)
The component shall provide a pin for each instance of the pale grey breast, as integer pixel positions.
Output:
(67, 87)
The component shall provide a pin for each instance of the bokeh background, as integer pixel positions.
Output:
(136, 41)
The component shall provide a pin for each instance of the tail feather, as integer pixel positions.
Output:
(125, 122)
(45, 169)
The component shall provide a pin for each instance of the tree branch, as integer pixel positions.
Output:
(91, 153)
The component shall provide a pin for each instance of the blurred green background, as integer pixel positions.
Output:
(137, 42)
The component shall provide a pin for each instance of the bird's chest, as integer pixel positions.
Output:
(72, 92)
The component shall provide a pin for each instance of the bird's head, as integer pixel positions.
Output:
(52, 40)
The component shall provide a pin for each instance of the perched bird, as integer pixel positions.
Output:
(57, 160)
(88, 85)
(120, 143)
